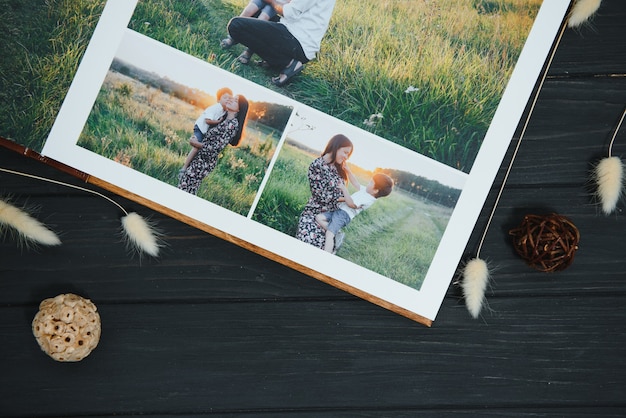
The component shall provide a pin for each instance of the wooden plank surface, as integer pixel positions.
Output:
(210, 328)
(198, 357)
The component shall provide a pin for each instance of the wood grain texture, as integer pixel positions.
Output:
(211, 329)
(122, 193)
(185, 358)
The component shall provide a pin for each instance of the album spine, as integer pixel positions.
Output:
(12, 145)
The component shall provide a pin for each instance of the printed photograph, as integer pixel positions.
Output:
(186, 123)
(369, 201)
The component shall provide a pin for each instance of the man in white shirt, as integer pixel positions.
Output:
(289, 43)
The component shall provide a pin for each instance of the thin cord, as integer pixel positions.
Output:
(519, 142)
(619, 124)
(32, 176)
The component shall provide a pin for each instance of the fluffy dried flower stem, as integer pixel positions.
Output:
(474, 284)
(582, 11)
(139, 233)
(608, 176)
(29, 230)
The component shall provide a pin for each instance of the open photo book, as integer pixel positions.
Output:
(366, 169)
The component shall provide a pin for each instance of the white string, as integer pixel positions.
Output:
(619, 124)
(32, 176)
(519, 142)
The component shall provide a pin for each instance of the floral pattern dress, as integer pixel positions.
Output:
(324, 181)
(215, 140)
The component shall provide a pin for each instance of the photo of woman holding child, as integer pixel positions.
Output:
(211, 116)
(216, 138)
(327, 179)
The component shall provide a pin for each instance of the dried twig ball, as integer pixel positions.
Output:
(67, 327)
(546, 242)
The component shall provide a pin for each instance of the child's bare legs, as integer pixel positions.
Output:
(197, 136)
(329, 245)
(250, 10)
(322, 221)
(263, 16)
(190, 156)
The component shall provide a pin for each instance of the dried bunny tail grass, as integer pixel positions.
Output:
(474, 283)
(608, 175)
(28, 228)
(140, 234)
(609, 180)
(582, 11)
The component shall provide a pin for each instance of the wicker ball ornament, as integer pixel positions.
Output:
(546, 242)
(67, 327)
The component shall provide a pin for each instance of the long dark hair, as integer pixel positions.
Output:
(241, 118)
(334, 144)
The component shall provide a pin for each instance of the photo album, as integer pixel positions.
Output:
(364, 161)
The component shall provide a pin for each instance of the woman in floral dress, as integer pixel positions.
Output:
(326, 175)
(215, 140)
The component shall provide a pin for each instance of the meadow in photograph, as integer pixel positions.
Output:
(434, 71)
(145, 123)
(42, 45)
(427, 75)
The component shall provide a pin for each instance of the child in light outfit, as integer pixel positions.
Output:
(379, 186)
(211, 116)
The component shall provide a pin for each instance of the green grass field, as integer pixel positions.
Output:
(454, 56)
(398, 237)
(42, 45)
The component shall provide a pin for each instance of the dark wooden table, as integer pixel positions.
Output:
(209, 328)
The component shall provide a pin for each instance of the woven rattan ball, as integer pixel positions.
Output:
(546, 242)
(67, 327)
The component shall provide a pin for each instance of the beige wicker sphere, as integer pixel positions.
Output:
(67, 327)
